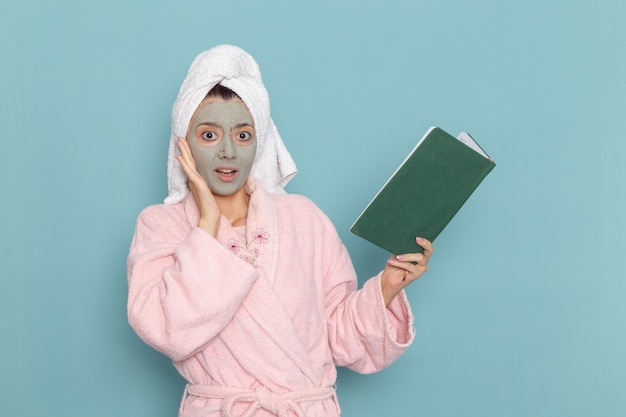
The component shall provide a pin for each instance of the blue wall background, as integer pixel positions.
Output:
(522, 312)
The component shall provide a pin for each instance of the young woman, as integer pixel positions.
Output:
(247, 289)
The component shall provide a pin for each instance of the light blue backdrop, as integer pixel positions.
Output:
(522, 312)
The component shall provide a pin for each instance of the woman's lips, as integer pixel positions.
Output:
(226, 174)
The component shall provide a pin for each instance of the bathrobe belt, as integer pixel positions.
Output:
(261, 397)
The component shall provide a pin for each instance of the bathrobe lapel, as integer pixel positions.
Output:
(262, 315)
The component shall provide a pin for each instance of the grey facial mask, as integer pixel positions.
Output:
(222, 140)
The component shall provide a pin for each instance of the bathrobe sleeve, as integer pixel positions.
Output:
(184, 286)
(364, 335)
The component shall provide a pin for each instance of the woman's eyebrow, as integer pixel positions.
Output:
(237, 126)
(210, 124)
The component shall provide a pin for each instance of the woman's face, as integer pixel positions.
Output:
(223, 142)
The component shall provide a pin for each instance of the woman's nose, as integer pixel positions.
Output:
(227, 150)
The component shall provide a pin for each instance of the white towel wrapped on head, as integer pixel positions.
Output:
(235, 69)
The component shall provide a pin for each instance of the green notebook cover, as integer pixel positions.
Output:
(425, 192)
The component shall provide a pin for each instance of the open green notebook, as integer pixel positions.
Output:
(425, 192)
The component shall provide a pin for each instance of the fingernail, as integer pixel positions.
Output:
(399, 257)
(419, 239)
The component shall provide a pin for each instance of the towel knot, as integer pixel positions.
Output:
(233, 71)
(231, 62)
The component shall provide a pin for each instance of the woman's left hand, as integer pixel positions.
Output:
(401, 270)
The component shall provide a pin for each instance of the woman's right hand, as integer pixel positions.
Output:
(210, 212)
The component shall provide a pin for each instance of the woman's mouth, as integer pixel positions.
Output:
(226, 174)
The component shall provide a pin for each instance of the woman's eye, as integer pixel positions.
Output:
(244, 136)
(209, 136)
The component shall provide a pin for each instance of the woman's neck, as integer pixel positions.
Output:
(235, 206)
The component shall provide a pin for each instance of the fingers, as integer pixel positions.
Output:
(426, 245)
(185, 158)
(413, 258)
(414, 264)
(189, 164)
(402, 270)
(197, 183)
(418, 258)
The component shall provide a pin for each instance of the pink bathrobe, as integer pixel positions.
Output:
(257, 324)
